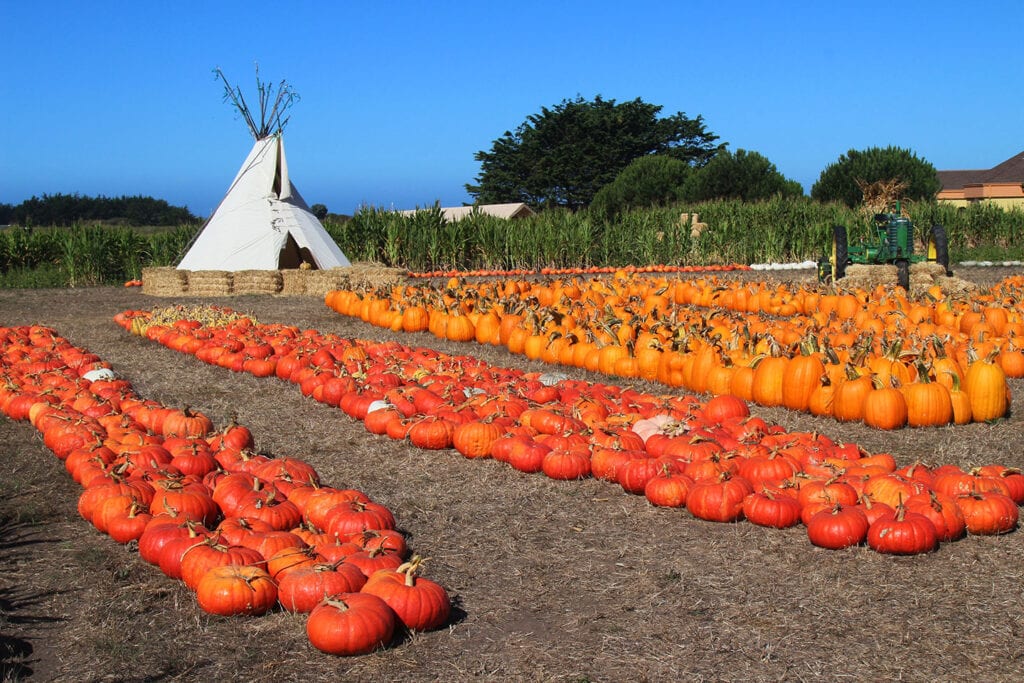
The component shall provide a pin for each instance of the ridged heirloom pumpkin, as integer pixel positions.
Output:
(351, 624)
(903, 533)
(720, 499)
(838, 527)
(233, 590)
(419, 603)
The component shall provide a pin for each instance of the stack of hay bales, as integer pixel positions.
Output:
(375, 275)
(293, 281)
(257, 282)
(210, 283)
(164, 281)
(319, 282)
(923, 276)
(860, 276)
(289, 282)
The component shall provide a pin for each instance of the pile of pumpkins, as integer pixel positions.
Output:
(875, 356)
(245, 531)
(713, 458)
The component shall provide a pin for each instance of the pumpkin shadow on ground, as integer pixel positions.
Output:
(456, 616)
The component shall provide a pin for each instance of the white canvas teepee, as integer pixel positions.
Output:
(262, 223)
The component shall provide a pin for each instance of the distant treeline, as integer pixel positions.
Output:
(69, 209)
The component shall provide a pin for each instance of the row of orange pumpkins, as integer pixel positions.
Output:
(712, 458)
(827, 354)
(245, 531)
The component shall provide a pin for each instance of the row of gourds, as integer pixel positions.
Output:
(243, 530)
(712, 458)
(876, 356)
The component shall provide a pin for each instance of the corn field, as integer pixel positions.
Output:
(778, 230)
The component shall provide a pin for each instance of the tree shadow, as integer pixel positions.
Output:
(22, 609)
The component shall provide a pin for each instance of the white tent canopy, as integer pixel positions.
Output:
(263, 223)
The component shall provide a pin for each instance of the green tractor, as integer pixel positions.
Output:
(894, 245)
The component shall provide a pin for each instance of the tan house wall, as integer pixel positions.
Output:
(1006, 195)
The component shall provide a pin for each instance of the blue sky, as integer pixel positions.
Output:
(119, 98)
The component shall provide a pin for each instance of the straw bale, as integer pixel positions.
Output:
(164, 281)
(954, 286)
(210, 282)
(923, 276)
(371, 274)
(319, 282)
(868, 277)
(257, 282)
(293, 281)
(927, 268)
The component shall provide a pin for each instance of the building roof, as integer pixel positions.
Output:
(454, 213)
(1010, 171)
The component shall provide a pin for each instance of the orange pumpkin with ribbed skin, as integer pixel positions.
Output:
(419, 603)
(822, 399)
(892, 489)
(303, 588)
(768, 381)
(234, 590)
(432, 433)
(634, 474)
(766, 508)
(943, 512)
(186, 422)
(903, 533)
(1010, 477)
(566, 464)
(460, 329)
(838, 527)
(415, 319)
(799, 380)
(351, 624)
(720, 499)
(185, 501)
(848, 404)
(885, 408)
(928, 403)
(356, 516)
(475, 439)
(985, 385)
(988, 513)
(488, 329)
(202, 557)
(668, 489)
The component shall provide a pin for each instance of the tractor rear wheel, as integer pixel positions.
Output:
(938, 247)
(903, 273)
(840, 253)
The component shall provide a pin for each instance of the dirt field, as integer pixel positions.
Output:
(567, 581)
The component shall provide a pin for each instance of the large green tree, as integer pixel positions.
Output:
(652, 180)
(563, 155)
(838, 182)
(744, 175)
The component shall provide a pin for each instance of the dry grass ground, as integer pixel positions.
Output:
(552, 580)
